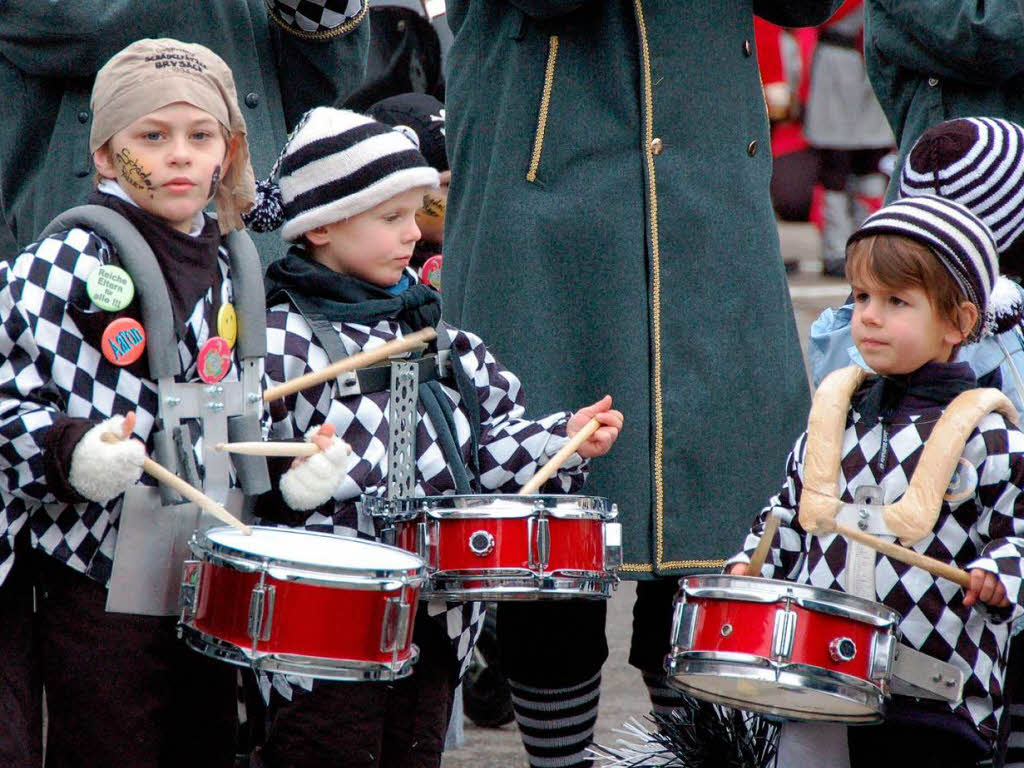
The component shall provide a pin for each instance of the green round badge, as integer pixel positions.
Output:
(110, 288)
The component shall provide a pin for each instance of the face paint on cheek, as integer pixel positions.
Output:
(214, 183)
(132, 171)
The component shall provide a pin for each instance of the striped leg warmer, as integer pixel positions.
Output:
(557, 724)
(664, 698)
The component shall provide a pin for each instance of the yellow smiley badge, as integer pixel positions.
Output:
(227, 324)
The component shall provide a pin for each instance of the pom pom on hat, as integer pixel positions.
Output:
(1007, 305)
(267, 213)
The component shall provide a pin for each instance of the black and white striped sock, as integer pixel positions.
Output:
(557, 724)
(664, 698)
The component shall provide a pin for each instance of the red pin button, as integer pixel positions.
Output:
(430, 272)
(124, 341)
(214, 360)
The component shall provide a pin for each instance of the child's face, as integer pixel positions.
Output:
(170, 162)
(430, 216)
(898, 330)
(375, 245)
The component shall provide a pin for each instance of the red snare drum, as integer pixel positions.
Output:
(289, 600)
(785, 649)
(503, 547)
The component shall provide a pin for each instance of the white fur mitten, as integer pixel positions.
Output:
(315, 480)
(101, 470)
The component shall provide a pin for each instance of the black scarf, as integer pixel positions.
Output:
(347, 299)
(933, 384)
(189, 264)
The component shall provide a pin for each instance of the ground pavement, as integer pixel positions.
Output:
(622, 692)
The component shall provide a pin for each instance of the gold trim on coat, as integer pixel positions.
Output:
(545, 103)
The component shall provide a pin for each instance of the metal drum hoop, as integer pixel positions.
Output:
(499, 505)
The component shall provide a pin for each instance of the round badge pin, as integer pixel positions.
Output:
(110, 288)
(430, 272)
(123, 341)
(214, 360)
(227, 323)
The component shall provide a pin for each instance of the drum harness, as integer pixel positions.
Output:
(155, 524)
(404, 379)
(909, 519)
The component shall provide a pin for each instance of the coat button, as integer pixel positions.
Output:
(752, 148)
(83, 117)
(252, 100)
(747, 49)
(656, 146)
(932, 82)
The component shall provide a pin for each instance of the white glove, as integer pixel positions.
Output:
(101, 470)
(313, 482)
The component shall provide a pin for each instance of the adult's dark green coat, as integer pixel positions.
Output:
(609, 230)
(50, 52)
(943, 59)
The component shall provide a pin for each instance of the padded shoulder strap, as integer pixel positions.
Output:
(250, 298)
(137, 258)
(825, 426)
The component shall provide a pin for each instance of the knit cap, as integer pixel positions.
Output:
(965, 247)
(975, 161)
(335, 165)
(150, 74)
(422, 116)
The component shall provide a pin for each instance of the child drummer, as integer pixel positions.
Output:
(925, 280)
(167, 138)
(350, 188)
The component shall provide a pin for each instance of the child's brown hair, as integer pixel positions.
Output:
(898, 262)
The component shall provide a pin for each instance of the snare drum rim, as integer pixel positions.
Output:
(217, 553)
(818, 599)
(463, 506)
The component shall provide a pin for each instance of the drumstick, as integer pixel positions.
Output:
(257, 448)
(556, 461)
(771, 525)
(358, 360)
(200, 499)
(896, 552)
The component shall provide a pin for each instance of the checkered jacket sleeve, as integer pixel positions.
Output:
(512, 448)
(787, 553)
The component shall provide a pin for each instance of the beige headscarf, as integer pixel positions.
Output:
(150, 74)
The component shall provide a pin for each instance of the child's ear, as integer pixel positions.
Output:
(967, 319)
(104, 162)
(318, 236)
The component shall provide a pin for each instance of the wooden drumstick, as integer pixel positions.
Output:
(257, 448)
(556, 461)
(359, 360)
(171, 480)
(896, 552)
(771, 525)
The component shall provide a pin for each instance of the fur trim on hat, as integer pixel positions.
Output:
(102, 470)
(314, 481)
(1006, 305)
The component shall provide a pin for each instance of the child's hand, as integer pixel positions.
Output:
(987, 588)
(601, 441)
(738, 569)
(312, 480)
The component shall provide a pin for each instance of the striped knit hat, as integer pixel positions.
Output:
(964, 245)
(336, 164)
(979, 163)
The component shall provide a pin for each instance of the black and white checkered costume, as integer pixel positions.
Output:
(316, 16)
(512, 448)
(984, 531)
(48, 369)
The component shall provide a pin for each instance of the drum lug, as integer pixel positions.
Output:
(395, 626)
(187, 597)
(481, 543)
(540, 543)
(842, 649)
(427, 532)
(612, 546)
(783, 634)
(261, 602)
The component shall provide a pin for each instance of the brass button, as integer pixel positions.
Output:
(747, 48)
(656, 146)
(752, 148)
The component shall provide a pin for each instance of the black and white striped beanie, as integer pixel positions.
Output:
(979, 163)
(964, 245)
(336, 164)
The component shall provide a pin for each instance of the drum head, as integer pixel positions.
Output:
(317, 550)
